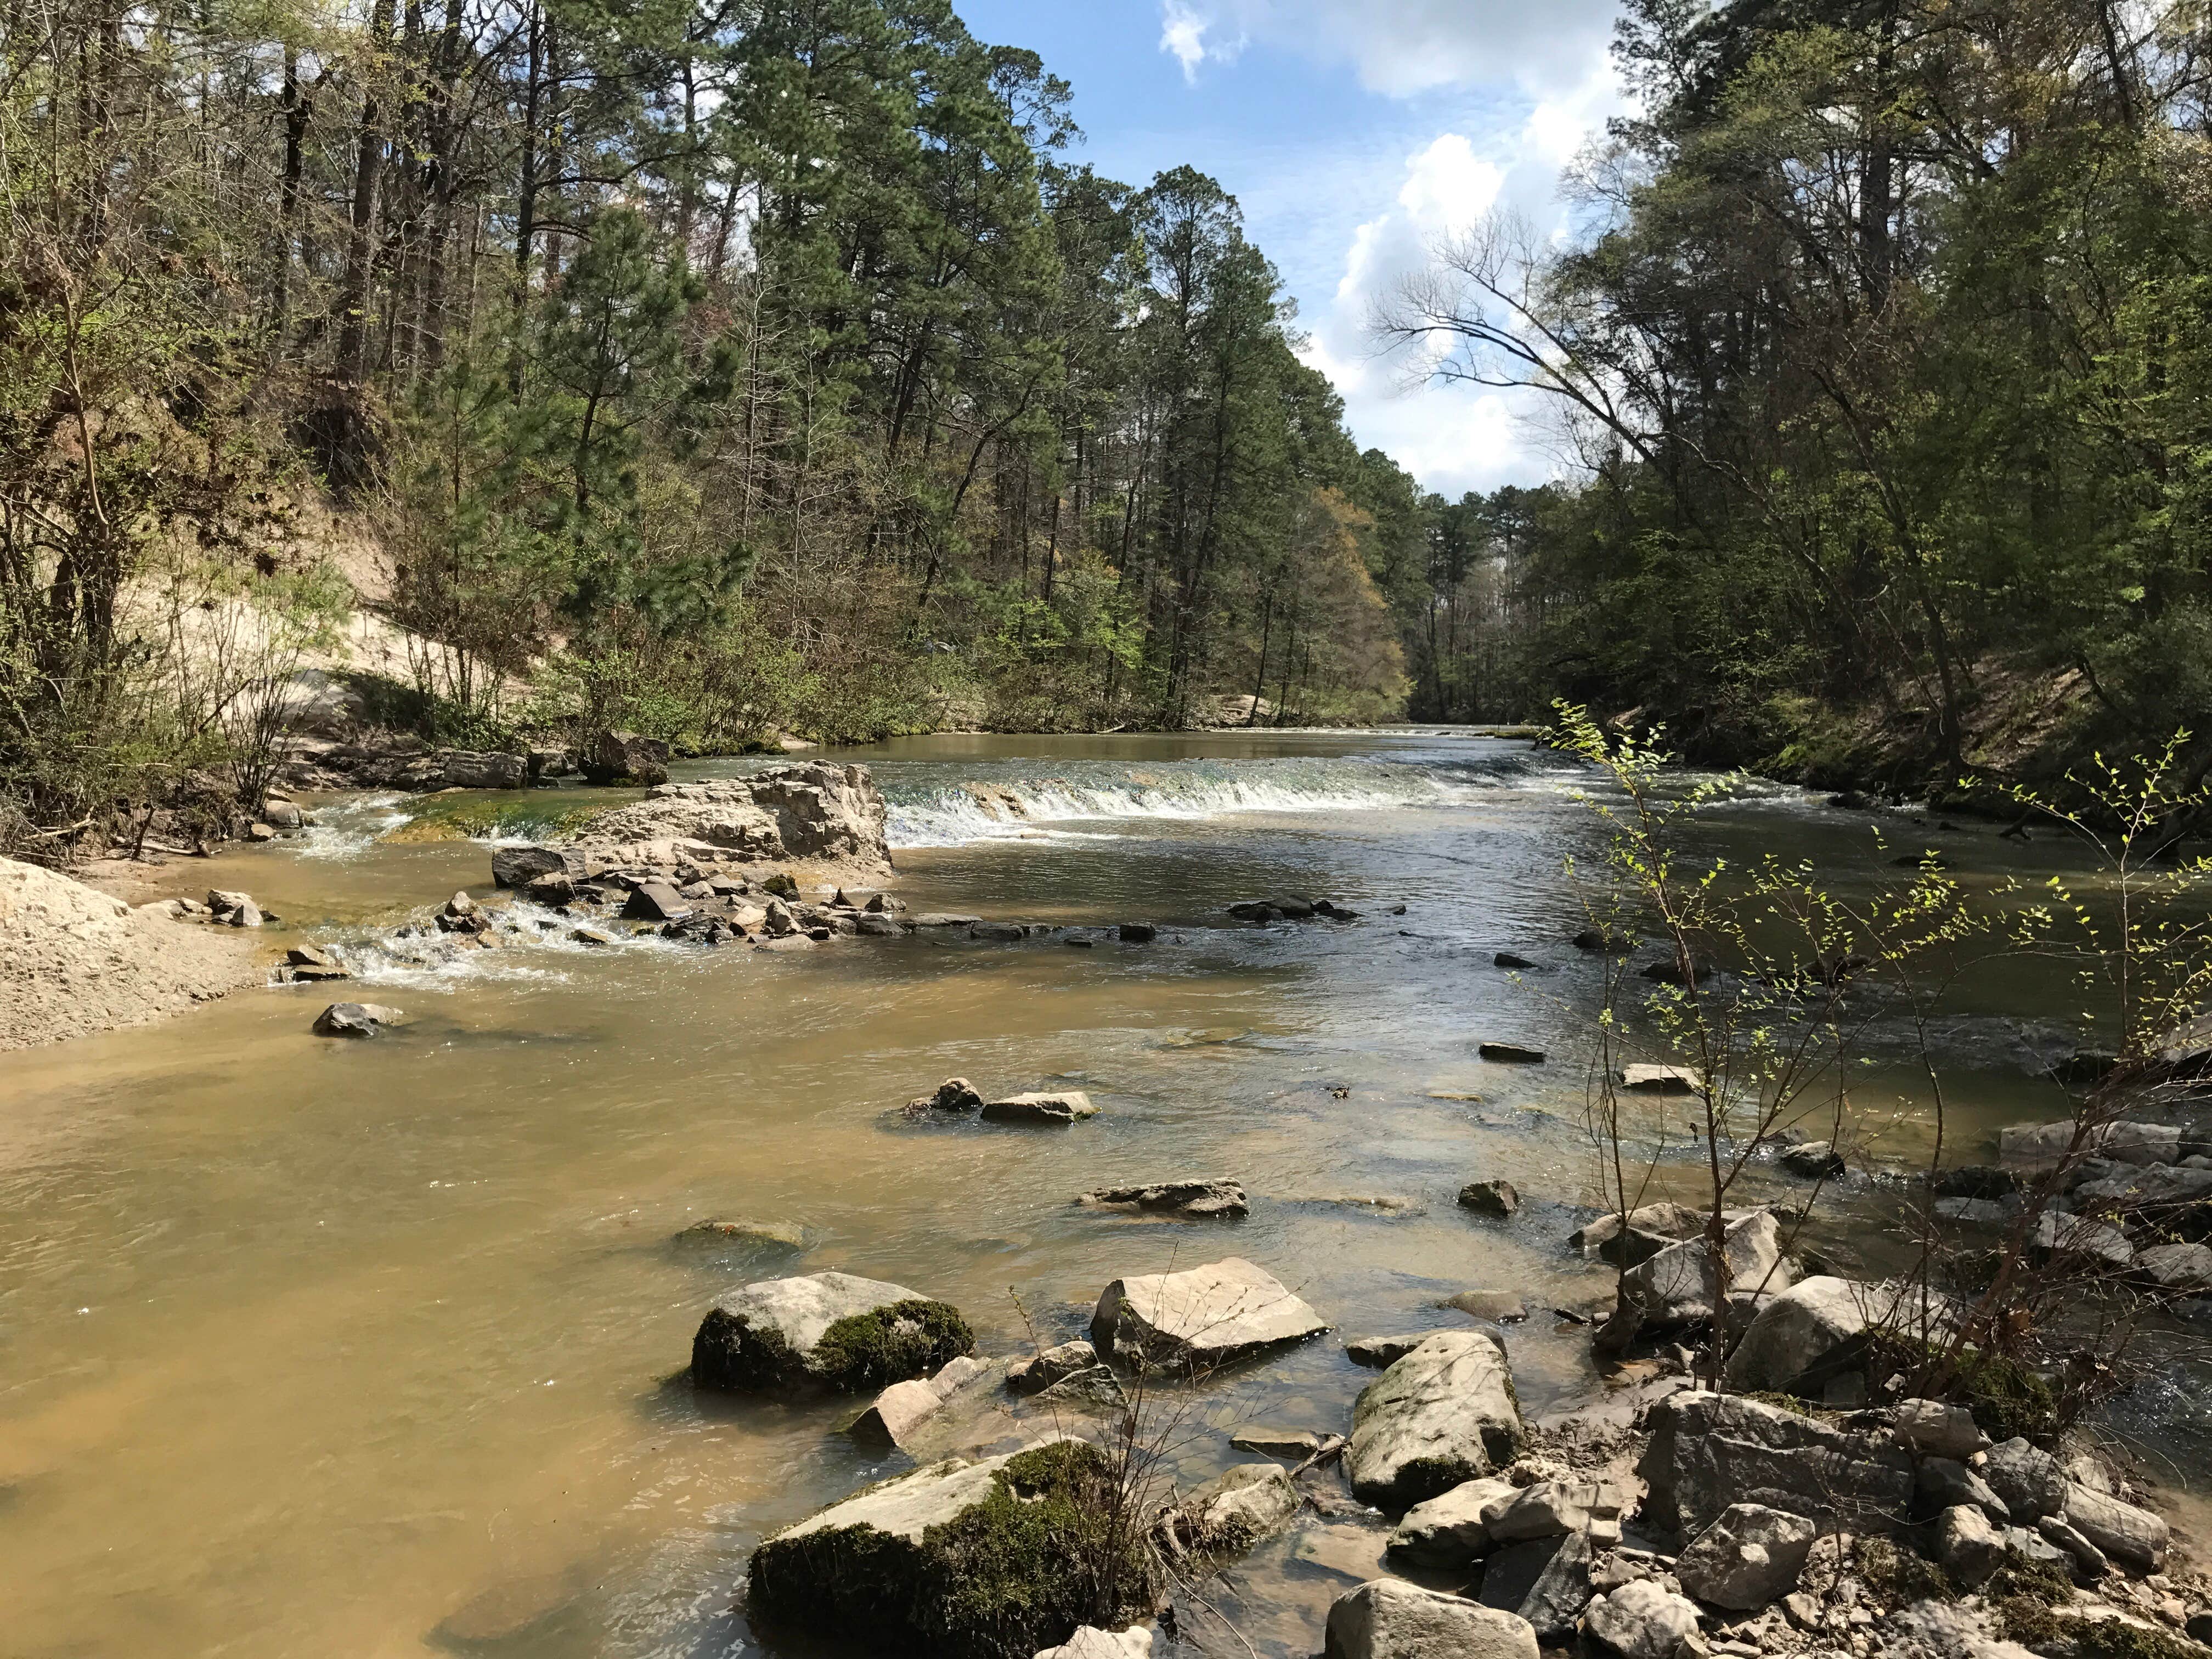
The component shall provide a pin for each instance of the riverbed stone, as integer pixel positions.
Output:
(1041, 1370)
(234, 909)
(823, 1330)
(1380, 1351)
(2037, 1147)
(1944, 1483)
(1228, 1514)
(1814, 1160)
(2078, 1239)
(1269, 1441)
(1444, 1414)
(1063, 1106)
(655, 901)
(2181, 1269)
(1813, 1329)
(903, 1407)
(1509, 1053)
(1643, 1620)
(1199, 1317)
(1449, 1529)
(1750, 1555)
(1967, 1546)
(954, 1094)
(612, 758)
(518, 866)
(1647, 1229)
(913, 1564)
(1553, 1605)
(1551, 1509)
(1937, 1428)
(1209, 1196)
(355, 1019)
(1706, 1451)
(2156, 1189)
(1654, 1079)
(742, 1230)
(1391, 1619)
(1496, 1198)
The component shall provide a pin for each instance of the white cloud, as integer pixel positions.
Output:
(1452, 438)
(1514, 90)
(1183, 35)
(1403, 47)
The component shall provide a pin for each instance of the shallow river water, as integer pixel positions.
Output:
(366, 1349)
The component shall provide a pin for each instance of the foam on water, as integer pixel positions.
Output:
(1025, 807)
(417, 954)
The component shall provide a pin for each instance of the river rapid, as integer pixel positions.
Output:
(367, 1349)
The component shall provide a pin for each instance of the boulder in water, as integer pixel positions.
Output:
(1063, 1106)
(1204, 1197)
(1509, 1053)
(355, 1019)
(824, 1330)
(973, 1560)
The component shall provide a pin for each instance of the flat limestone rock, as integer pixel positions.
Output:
(1660, 1079)
(738, 1230)
(1064, 1106)
(1445, 1414)
(1198, 1317)
(768, 1336)
(1272, 1442)
(1231, 1513)
(1749, 1556)
(1092, 1643)
(1201, 1197)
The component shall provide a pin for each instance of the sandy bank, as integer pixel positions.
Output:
(73, 960)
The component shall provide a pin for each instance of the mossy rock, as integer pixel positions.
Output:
(992, 1560)
(2008, 1400)
(827, 1330)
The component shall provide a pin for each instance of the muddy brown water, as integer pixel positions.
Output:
(366, 1348)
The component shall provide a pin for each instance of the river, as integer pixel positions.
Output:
(366, 1348)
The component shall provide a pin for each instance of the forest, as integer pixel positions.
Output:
(717, 370)
(727, 368)
(1886, 361)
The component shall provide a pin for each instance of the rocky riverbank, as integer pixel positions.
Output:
(1666, 1522)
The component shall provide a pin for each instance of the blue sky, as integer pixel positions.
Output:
(1352, 133)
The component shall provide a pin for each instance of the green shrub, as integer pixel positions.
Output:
(1900, 1577)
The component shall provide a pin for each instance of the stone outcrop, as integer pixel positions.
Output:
(1638, 1236)
(1445, 1414)
(1199, 1317)
(813, 814)
(613, 757)
(823, 1330)
(1391, 1619)
(1708, 1451)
